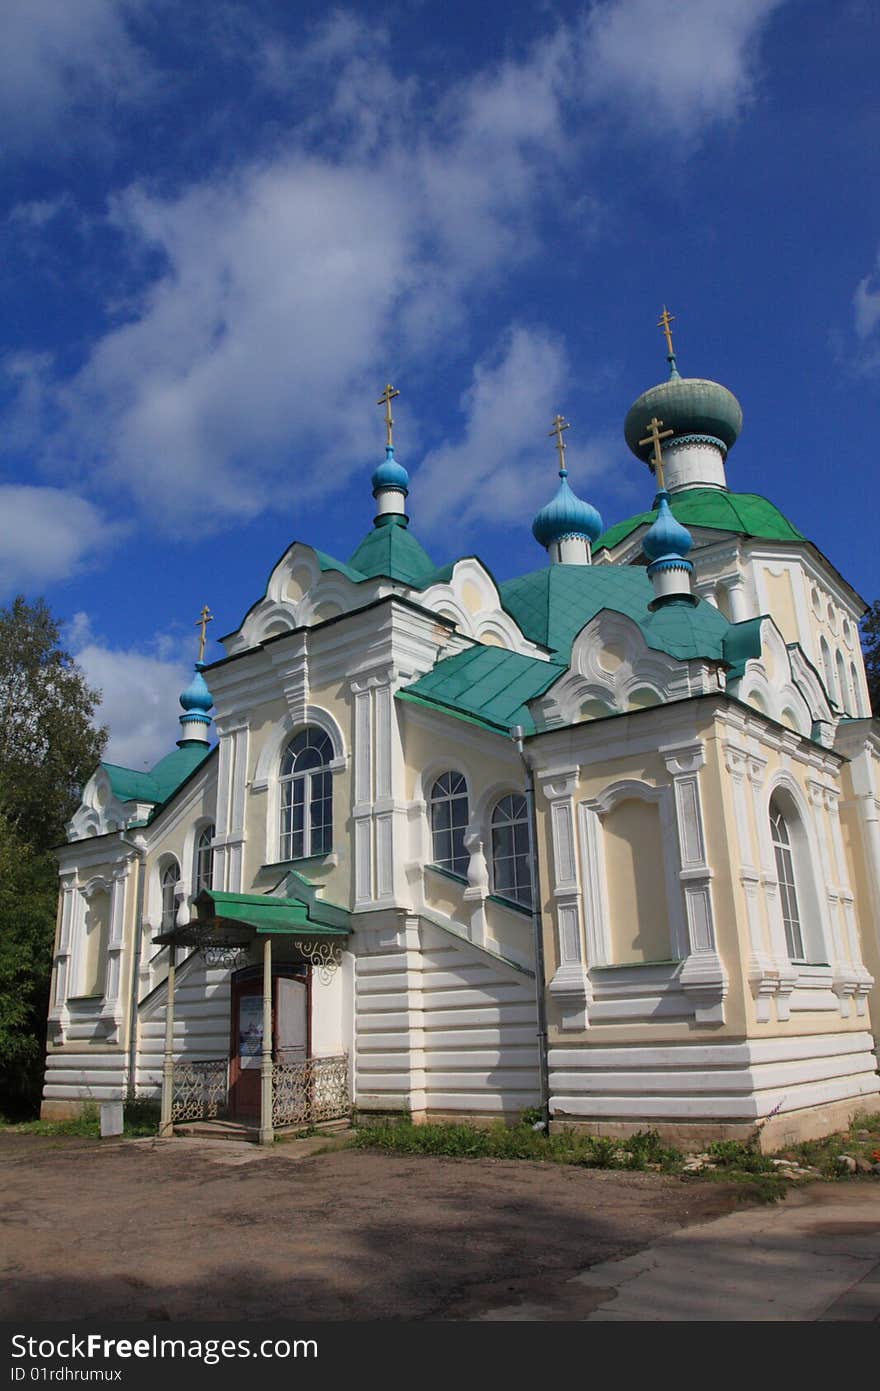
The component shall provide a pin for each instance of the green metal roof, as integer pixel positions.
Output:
(488, 684)
(268, 914)
(552, 605)
(747, 514)
(163, 779)
(391, 549)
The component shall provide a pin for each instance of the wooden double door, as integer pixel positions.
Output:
(291, 1031)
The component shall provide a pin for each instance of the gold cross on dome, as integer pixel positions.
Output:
(204, 619)
(385, 400)
(560, 424)
(663, 322)
(655, 435)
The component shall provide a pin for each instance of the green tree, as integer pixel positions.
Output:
(870, 633)
(49, 746)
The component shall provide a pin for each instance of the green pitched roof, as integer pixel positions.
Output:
(391, 549)
(269, 914)
(487, 684)
(552, 605)
(163, 779)
(747, 514)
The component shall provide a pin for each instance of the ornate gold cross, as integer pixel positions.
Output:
(663, 322)
(204, 619)
(560, 424)
(654, 437)
(385, 400)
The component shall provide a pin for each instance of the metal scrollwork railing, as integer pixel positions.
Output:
(311, 1090)
(200, 1089)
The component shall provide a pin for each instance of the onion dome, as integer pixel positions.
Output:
(566, 515)
(692, 407)
(196, 700)
(390, 475)
(666, 544)
(666, 539)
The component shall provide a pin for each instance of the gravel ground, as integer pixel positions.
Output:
(204, 1229)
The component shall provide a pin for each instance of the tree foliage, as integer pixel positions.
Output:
(48, 744)
(48, 748)
(870, 633)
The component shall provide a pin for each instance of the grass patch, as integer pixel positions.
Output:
(500, 1141)
(861, 1142)
(140, 1118)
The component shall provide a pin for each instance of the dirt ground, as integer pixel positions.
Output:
(193, 1229)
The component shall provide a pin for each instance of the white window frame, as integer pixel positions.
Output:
(303, 782)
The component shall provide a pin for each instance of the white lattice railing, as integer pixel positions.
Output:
(200, 1089)
(311, 1090)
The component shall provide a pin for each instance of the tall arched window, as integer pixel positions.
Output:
(858, 704)
(306, 795)
(204, 865)
(169, 881)
(511, 876)
(845, 701)
(828, 669)
(785, 873)
(449, 818)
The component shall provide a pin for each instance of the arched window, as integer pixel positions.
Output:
(306, 795)
(203, 877)
(449, 818)
(845, 701)
(511, 876)
(828, 669)
(858, 705)
(785, 873)
(169, 881)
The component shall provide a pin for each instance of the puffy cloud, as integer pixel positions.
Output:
(289, 288)
(675, 65)
(866, 305)
(140, 689)
(57, 56)
(504, 464)
(48, 534)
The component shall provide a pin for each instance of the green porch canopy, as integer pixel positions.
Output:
(226, 919)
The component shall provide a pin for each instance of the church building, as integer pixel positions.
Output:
(600, 839)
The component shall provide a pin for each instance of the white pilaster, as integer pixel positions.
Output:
(703, 977)
(570, 986)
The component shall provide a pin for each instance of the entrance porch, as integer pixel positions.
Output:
(270, 1080)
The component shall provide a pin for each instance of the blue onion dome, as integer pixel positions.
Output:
(688, 406)
(666, 539)
(390, 474)
(197, 698)
(566, 515)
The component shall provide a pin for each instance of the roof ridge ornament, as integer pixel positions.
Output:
(654, 436)
(385, 400)
(559, 424)
(664, 322)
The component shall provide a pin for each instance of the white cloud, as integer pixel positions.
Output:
(46, 535)
(504, 465)
(294, 286)
(866, 305)
(60, 55)
(675, 65)
(140, 689)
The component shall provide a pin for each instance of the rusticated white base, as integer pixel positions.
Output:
(789, 1084)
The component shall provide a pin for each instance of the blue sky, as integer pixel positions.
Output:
(226, 225)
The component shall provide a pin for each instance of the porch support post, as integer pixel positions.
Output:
(166, 1125)
(267, 1134)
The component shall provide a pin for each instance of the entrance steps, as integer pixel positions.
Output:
(237, 1130)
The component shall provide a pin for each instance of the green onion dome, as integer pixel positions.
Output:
(690, 406)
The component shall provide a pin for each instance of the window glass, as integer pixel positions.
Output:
(306, 796)
(787, 888)
(511, 874)
(449, 820)
(204, 875)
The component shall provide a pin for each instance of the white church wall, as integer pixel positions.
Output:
(442, 1027)
(201, 1020)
